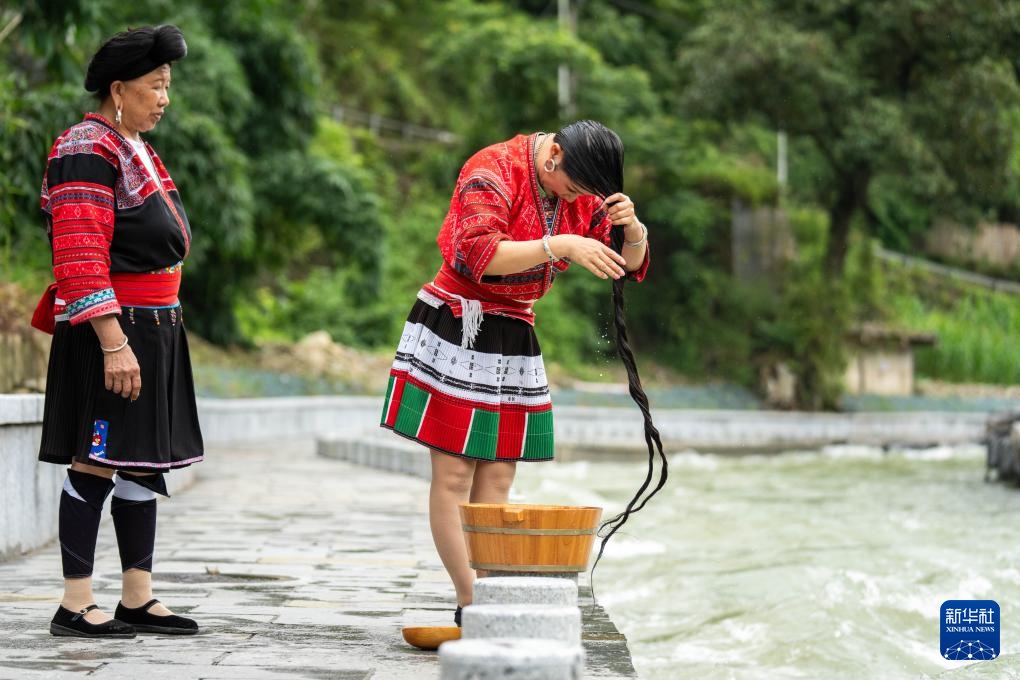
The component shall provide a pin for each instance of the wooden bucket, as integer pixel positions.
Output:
(529, 538)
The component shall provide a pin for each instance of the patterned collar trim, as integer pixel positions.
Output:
(550, 226)
(102, 120)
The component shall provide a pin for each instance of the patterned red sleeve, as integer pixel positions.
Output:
(600, 230)
(480, 222)
(79, 199)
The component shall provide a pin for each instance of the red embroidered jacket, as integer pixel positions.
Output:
(497, 198)
(118, 235)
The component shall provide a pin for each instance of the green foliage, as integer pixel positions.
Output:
(912, 89)
(897, 114)
(976, 340)
(807, 326)
(294, 307)
(499, 62)
(815, 335)
(728, 177)
(574, 327)
(976, 328)
(901, 214)
(277, 60)
(29, 122)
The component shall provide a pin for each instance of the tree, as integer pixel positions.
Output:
(238, 140)
(914, 89)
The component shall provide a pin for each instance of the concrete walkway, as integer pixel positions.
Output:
(295, 567)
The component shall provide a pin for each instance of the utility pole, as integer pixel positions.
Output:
(568, 23)
(781, 169)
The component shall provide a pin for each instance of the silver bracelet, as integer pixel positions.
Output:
(548, 250)
(640, 242)
(117, 348)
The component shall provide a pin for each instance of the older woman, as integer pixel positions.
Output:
(468, 381)
(119, 394)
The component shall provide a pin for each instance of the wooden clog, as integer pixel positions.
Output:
(430, 637)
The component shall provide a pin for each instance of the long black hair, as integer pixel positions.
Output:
(593, 159)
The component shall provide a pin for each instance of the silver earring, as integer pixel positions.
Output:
(117, 119)
(546, 164)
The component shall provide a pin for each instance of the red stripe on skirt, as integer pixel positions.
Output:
(510, 440)
(446, 424)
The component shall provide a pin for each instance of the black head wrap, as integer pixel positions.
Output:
(134, 53)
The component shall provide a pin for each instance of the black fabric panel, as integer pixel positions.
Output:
(498, 335)
(81, 167)
(146, 237)
(135, 524)
(78, 522)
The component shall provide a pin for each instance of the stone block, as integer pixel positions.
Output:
(548, 622)
(565, 575)
(525, 590)
(508, 659)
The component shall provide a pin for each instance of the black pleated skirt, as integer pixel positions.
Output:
(84, 421)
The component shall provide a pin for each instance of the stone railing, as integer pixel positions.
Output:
(606, 428)
(601, 433)
(29, 492)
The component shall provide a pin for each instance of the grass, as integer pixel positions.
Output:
(978, 330)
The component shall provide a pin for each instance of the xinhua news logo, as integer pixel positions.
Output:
(970, 630)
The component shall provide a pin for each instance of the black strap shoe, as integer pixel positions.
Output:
(456, 615)
(67, 623)
(144, 622)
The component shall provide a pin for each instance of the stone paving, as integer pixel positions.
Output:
(295, 567)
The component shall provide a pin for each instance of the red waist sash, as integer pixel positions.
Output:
(149, 289)
(449, 286)
(157, 288)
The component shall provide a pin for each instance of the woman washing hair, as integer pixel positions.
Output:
(468, 381)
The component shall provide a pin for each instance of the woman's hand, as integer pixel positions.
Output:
(593, 255)
(622, 211)
(122, 374)
(120, 369)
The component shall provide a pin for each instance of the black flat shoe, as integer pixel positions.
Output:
(456, 615)
(67, 623)
(144, 622)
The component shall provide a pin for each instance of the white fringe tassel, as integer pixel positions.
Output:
(471, 316)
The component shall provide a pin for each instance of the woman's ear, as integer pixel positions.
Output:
(117, 92)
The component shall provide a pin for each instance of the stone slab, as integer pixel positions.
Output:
(542, 621)
(525, 590)
(510, 659)
(285, 619)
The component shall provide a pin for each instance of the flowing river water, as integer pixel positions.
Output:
(822, 564)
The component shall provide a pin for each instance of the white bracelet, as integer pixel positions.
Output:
(644, 237)
(548, 250)
(117, 348)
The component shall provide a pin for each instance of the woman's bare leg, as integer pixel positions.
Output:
(492, 484)
(451, 486)
(136, 590)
